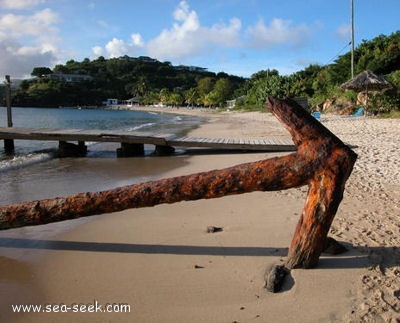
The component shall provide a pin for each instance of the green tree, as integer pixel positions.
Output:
(164, 95)
(275, 86)
(208, 100)
(175, 99)
(140, 87)
(41, 71)
(222, 91)
(191, 96)
(205, 85)
(264, 74)
(301, 83)
(151, 97)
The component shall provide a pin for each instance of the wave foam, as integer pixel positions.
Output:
(144, 125)
(23, 161)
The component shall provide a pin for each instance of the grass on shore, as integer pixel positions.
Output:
(394, 114)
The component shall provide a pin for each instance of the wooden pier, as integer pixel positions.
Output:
(132, 143)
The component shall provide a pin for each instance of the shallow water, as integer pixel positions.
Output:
(34, 173)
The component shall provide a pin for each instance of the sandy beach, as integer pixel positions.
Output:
(163, 264)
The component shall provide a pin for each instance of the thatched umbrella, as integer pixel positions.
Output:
(366, 81)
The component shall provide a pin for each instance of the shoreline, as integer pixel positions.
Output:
(162, 262)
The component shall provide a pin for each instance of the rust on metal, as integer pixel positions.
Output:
(322, 161)
(257, 176)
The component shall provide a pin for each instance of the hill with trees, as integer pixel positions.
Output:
(92, 82)
(150, 81)
(319, 83)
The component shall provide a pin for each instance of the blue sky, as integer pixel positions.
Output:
(238, 37)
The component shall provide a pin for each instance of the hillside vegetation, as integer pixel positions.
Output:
(321, 84)
(154, 82)
(125, 77)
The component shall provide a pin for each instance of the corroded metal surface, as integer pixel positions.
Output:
(331, 162)
(257, 176)
(321, 161)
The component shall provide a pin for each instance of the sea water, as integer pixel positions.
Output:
(34, 172)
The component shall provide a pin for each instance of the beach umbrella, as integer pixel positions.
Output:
(366, 82)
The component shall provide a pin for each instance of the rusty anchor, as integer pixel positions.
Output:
(322, 161)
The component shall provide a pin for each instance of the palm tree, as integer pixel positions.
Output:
(191, 96)
(140, 87)
(164, 95)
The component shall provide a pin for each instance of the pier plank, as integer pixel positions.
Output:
(93, 135)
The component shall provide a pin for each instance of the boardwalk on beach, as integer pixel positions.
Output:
(138, 139)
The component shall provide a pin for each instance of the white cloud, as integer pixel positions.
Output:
(278, 32)
(226, 35)
(137, 40)
(20, 4)
(38, 24)
(343, 32)
(182, 39)
(19, 61)
(27, 41)
(103, 23)
(187, 37)
(98, 51)
(181, 13)
(118, 47)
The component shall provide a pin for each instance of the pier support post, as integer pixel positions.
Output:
(68, 149)
(8, 143)
(163, 150)
(8, 101)
(9, 146)
(130, 150)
